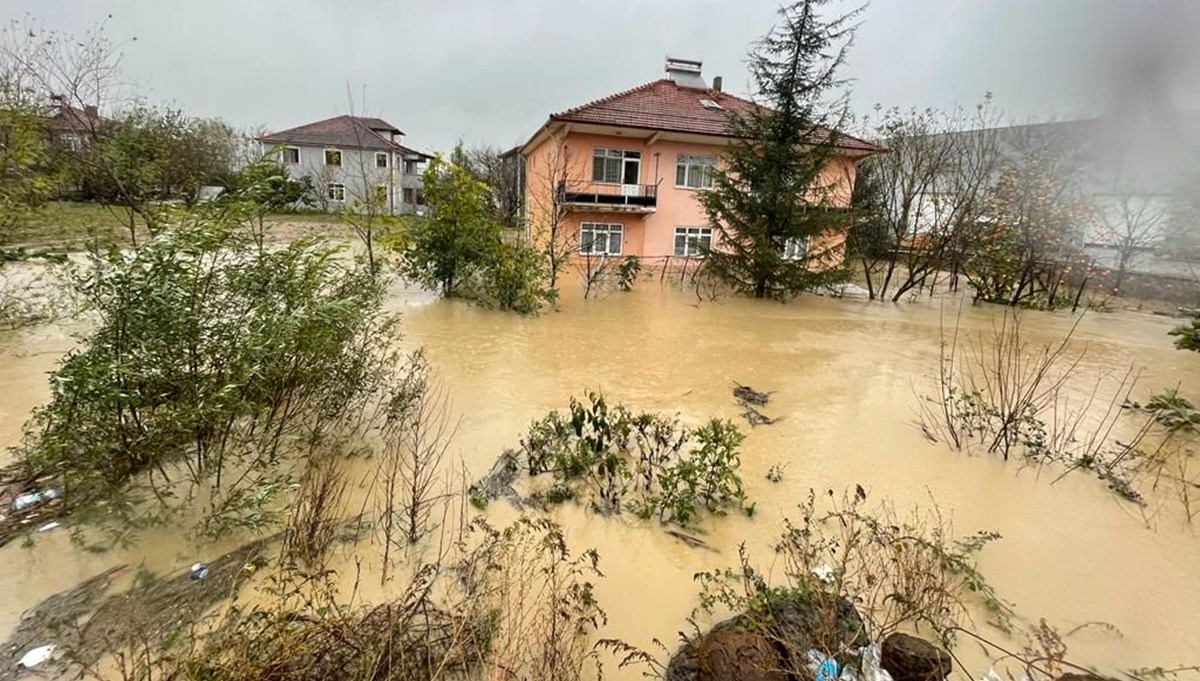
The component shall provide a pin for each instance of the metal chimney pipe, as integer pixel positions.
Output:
(717, 82)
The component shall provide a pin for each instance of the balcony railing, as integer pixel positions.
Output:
(592, 195)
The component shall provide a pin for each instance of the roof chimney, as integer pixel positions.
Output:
(685, 73)
(91, 111)
(717, 82)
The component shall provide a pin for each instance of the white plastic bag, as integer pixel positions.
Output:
(872, 670)
(36, 656)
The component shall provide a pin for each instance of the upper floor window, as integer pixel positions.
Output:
(693, 171)
(335, 191)
(381, 159)
(291, 155)
(692, 241)
(333, 157)
(600, 239)
(411, 167)
(616, 166)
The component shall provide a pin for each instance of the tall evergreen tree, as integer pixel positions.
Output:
(772, 196)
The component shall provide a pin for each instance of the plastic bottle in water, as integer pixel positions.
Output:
(33, 498)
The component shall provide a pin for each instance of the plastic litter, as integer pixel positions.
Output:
(872, 670)
(991, 675)
(47, 527)
(199, 571)
(36, 656)
(824, 668)
(823, 573)
(33, 498)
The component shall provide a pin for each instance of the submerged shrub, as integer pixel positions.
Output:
(212, 364)
(849, 573)
(648, 463)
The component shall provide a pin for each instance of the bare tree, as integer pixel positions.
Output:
(416, 432)
(547, 196)
(370, 189)
(1132, 224)
(929, 191)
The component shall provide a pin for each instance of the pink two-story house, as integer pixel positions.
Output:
(620, 175)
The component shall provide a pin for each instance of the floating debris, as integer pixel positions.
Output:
(499, 481)
(756, 418)
(36, 656)
(691, 540)
(775, 473)
(749, 396)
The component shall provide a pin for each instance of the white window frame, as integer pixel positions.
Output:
(287, 151)
(795, 249)
(416, 166)
(699, 162)
(693, 237)
(339, 157)
(608, 229)
(384, 155)
(332, 189)
(619, 156)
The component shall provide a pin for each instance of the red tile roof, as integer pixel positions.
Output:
(341, 131)
(663, 105)
(70, 119)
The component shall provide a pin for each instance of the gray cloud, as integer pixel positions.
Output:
(489, 71)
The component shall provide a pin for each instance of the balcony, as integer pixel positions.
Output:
(591, 196)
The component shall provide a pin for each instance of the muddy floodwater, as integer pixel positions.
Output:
(845, 377)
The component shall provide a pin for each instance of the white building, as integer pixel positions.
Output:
(354, 162)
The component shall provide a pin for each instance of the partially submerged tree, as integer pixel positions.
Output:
(459, 249)
(774, 194)
(924, 195)
(452, 244)
(1132, 224)
(1030, 235)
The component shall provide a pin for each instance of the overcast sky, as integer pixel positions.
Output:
(490, 71)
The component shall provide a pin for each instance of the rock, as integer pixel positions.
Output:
(800, 623)
(731, 651)
(908, 658)
(1083, 676)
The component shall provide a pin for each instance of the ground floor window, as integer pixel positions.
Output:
(336, 191)
(692, 241)
(413, 197)
(381, 193)
(795, 248)
(597, 238)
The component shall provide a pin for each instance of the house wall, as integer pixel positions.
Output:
(649, 235)
(357, 172)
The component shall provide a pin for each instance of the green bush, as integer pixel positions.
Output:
(647, 463)
(514, 278)
(212, 364)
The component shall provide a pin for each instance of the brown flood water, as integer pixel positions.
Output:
(844, 375)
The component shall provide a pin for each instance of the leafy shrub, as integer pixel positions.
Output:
(641, 462)
(213, 363)
(627, 272)
(514, 278)
(1173, 411)
(1187, 336)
